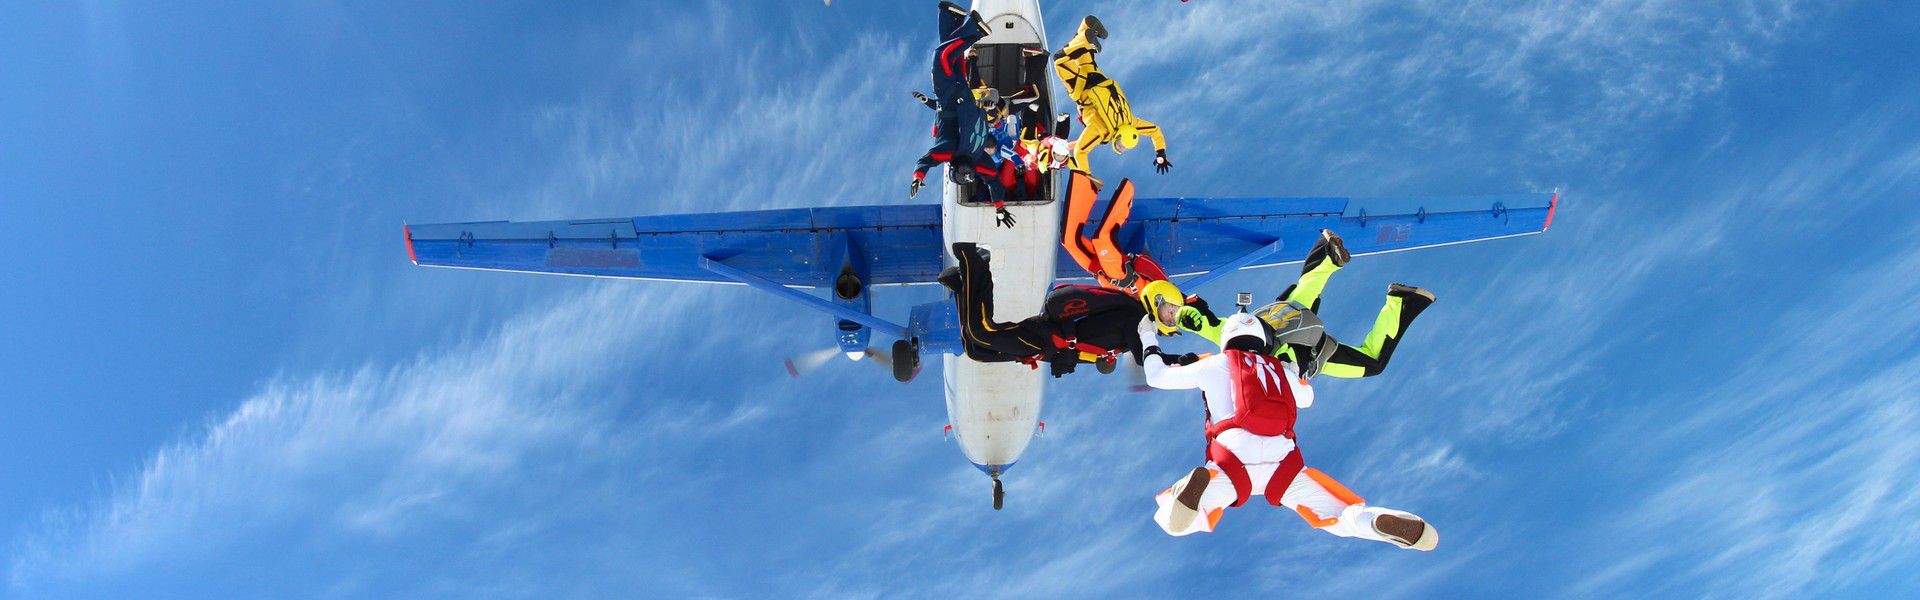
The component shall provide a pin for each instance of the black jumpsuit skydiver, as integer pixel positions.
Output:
(1077, 323)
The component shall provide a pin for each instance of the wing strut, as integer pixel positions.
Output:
(844, 312)
(1249, 258)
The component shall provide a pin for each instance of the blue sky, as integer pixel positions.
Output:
(223, 379)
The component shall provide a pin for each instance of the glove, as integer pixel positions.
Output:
(1160, 162)
(1187, 359)
(1064, 363)
(919, 183)
(1207, 316)
(1002, 218)
(925, 100)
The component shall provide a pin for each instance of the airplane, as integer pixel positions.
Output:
(993, 410)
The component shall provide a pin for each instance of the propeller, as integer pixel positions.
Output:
(801, 364)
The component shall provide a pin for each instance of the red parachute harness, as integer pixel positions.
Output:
(1263, 404)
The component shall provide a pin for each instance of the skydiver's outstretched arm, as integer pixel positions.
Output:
(925, 100)
(1147, 128)
(1161, 374)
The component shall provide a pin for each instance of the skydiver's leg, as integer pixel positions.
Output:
(1328, 255)
(1212, 501)
(974, 299)
(1331, 507)
(1106, 247)
(1403, 304)
(1073, 235)
(952, 16)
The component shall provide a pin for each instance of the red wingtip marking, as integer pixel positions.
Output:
(1550, 208)
(409, 231)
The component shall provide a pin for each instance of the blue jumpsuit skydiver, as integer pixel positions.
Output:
(959, 128)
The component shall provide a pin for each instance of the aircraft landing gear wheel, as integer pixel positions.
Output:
(906, 361)
(1106, 365)
(999, 494)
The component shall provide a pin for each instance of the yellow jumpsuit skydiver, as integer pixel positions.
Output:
(1109, 120)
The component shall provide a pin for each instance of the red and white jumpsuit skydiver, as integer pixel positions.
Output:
(959, 129)
(1252, 401)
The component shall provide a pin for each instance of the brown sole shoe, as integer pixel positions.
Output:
(1187, 504)
(1403, 531)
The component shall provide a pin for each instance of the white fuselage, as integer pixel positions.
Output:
(994, 408)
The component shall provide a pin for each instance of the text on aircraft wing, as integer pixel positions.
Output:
(802, 246)
(1196, 235)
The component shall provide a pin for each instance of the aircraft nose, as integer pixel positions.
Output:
(993, 470)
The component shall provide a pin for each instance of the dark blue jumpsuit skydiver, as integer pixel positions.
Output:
(958, 131)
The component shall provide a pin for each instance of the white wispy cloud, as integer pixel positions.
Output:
(503, 443)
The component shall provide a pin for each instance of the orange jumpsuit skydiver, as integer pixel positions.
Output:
(1100, 254)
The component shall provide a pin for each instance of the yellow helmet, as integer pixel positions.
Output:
(1158, 293)
(1125, 139)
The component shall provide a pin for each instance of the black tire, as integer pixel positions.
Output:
(906, 361)
(999, 495)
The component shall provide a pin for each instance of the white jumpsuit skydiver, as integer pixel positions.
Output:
(1323, 502)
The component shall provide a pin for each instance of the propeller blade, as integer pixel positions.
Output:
(885, 360)
(798, 366)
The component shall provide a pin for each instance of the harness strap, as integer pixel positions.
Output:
(1236, 473)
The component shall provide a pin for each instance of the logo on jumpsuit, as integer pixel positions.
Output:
(1073, 308)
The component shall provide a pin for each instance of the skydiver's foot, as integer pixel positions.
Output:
(950, 279)
(1408, 293)
(1406, 531)
(963, 249)
(1062, 125)
(980, 24)
(1186, 500)
(1328, 248)
(1094, 27)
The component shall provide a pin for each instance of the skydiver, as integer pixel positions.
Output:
(1077, 323)
(1252, 400)
(1103, 108)
(1003, 149)
(1135, 274)
(957, 135)
(1294, 317)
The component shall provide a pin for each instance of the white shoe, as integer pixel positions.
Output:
(1186, 499)
(1406, 531)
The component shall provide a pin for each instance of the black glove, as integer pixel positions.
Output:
(1160, 162)
(1187, 359)
(1004, 218)
(1064, 363)
(919, 183)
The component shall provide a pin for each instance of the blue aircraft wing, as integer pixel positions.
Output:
(1211, 236)
(788, 247)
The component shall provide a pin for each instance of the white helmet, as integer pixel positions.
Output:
(1239, 325)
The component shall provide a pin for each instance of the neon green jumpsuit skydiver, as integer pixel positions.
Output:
(1370, 358)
